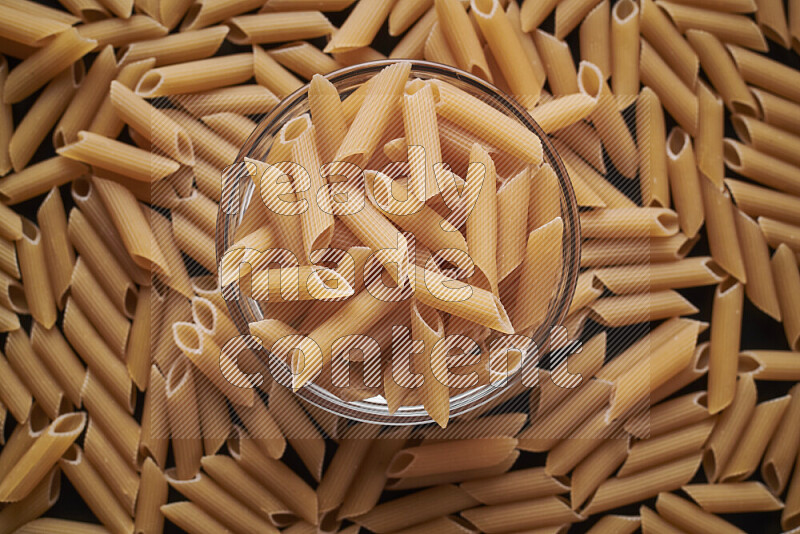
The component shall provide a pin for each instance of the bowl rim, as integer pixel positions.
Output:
(361, 411)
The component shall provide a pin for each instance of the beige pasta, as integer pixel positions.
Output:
(44, 64)
(116, 32)
(733, 497)
(177, 48)
(760, 288)
(596, 468)
(184, 420)
(659, 31)
(731, 423)
(557, 59)
(625, 49)
(777, 111)
(119, 475)
(412, 44)
(731, 28)
(36, 503)
(38, 179)
(56, 354)
(90, 486)
(33, 373)
(194, 76)
(710, 131)
(721, 229)
(761, 167)
(688, 272)
(42, 455)
(36, 282)
(462, 38)
(763, 72)
(654, 451)
(278, 27)
(653, 165)
(58, 250)
(677, 98)
(787, 280)
(686, 515)
(725, 332)
(779, 457)
(595, 38)
(152, 496)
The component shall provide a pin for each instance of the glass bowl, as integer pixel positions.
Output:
(238, 188)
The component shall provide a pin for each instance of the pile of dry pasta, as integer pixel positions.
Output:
(117, 120)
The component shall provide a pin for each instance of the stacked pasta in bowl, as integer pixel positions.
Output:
(150, 150)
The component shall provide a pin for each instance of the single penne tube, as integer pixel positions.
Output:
(358, 55)
(562, 76)
(766, 138)
(710, 131)
(58, 249)
(725, 331)
(26, 28)
(508, 136)
(625, 49)
(360, 27)
(683, 441)
(120, 31)
(549, 511)
(777, 111)
(659, 31)
(418, 507)
(62, 363)
(12, 295)
(191, 518)
(532, 14)
(616, 492)
(304, 59)
(540, 268)
(34, 374)
(652, 522)
(343, 468)
(761, 167)
(133, 227)
(92, 488)
(120, 477)
(517, 485)
(760, 288)
(651, 136)
(162, 231)
(421, 129)
(184, 420)
(512, 213)
(508, 50)
(11, 225)
(436, 47)
(110, 370)
(672, 415)
(616, 524)
(596, 469)
(42, 116)
(610, 124)
(152, 496)
(299, 430)
(754, 440)
(8, 259)
(278, 27)
(87, 99)
(643, 307)
(729, 427)
(204, 13)
(22, 437)
(448, 456)
(722, 72)
(193, 241)
(205, 142)
(381, 98)
(729, 27)
(177, 48)
(584, 140)
(325, 106)
(115, 156)
(677, 98)
(688, 272)
(721, 230)
(155, 425)
(453, 477)
(240, 99)
(563, 111)
(15, 396)
(151, 123)
(105, 121)
(604, 252)
(404, 14)
(277, 478)
(787, 280)
(778, 460)
(772, 21)
(766, 73)
(235, 480)
(110, 323)
(49, 525)
(183, 77)
(412, 44)
(629, 223)
(768, 364)
(35, 504)
(214, 416)
(684, 182)
(35, 279)
(630, 391)
(42, 455)
(569, 14)
(595, 38)
(462, 38)
(481, 193)
(231, 126)
(39, 178)
(543, 204)
(685, 514)
(719, 498)
(591, 189)
(777, 232)
(103, 264)
(44, 64)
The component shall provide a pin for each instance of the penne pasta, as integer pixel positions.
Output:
(725, 334)
(15, 394)
(778, 459)
(710, 132)
(732, 422)
(777, 111)
(625, 49)
(360, 27)
(717, 498)
(195, 76)
(153, 495)
(731, 28)
(721, 228)
(120, 477)
(686, 515)
(760, 288)
(35, 279)
(595, 38)
(304, 59)
(53, 224)
(36, 503)
(278, 27)
(60, 360)
(677, 98)
(30, 369)
(655, 451)
(787, 280)
(557, 59)
(766, 73)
